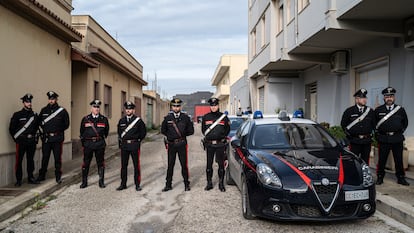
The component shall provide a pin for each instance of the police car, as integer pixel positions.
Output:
(293, 169)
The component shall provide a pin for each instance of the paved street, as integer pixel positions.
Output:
(107, 210)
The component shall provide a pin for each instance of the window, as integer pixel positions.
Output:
(108, 101)
(96, 90)
(123, 100)
(253, 42)
(302, 4)
(280, 21)
(263, 32)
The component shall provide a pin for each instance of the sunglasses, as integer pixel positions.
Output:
(96, 106)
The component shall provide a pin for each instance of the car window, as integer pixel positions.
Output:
(291, 136)
(235, 123)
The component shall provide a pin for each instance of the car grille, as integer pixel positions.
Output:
(314, 212)
(326, 193)
(306, 211)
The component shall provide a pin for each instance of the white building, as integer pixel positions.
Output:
(315, 54)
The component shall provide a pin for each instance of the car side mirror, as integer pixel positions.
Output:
(236, 143)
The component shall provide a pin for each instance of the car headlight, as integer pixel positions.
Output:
(267, 176)
(367, 179)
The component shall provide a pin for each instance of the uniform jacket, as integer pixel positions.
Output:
(90, 138)
(184, 125)
(17, 122)
(397, 124)
(136, 134)
(57, 125)
(364, 127)
(220, 131)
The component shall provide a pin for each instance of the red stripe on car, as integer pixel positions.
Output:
(240, 153)
(302, 175)
(341, 171)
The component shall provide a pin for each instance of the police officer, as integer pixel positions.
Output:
(54, 120)
(131, 131)
(176, 127)
(23, 128)
(94, 129)
(358, 122)
(391, 123)
(215, 142)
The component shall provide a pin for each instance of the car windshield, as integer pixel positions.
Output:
(235, 122)
(291, 136)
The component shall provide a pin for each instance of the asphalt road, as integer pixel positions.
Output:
(107, 210)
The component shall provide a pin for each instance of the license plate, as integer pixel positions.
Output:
(356, 195)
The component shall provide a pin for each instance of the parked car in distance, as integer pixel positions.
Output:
(293, 169)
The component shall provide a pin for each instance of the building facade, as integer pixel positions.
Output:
(240, 94)
(316, 54)
(154, 109)
(35, 38)
(46, 48)
(229, 69)
(102, 69)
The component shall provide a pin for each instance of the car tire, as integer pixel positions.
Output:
(229, 179)
(247, 212)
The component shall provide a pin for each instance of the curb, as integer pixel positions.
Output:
(398, 210)
(19, 203)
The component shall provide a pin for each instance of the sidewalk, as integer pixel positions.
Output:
(394, 200)
(397, 201)
(14, 200)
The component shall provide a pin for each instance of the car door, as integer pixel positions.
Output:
(236, 161)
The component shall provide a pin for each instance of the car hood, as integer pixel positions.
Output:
(298, 167)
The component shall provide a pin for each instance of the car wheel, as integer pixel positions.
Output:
(229, 179)
(247, 212)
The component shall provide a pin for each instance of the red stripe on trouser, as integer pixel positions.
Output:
(139, 166)
(17, 158)
(186, 160)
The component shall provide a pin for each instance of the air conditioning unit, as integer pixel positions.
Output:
(409, 33)
(339, 62)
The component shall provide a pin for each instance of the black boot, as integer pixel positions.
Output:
(42, 176)
(121, 187)
(18, 183)
(167, 187)
(84, 178)
(32, 180)
(221, 180)
(187, 186)
(101, 172)
(401, 180)
(380, 180)
(209, 174)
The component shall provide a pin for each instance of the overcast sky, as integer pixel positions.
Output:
(180, 41)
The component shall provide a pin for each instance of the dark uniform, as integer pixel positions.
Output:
(23, 129)
(360, 134)
(390, 137)
(130, 137)
(176, 142)
(53, 136)
(93, 131)
(215, 143)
